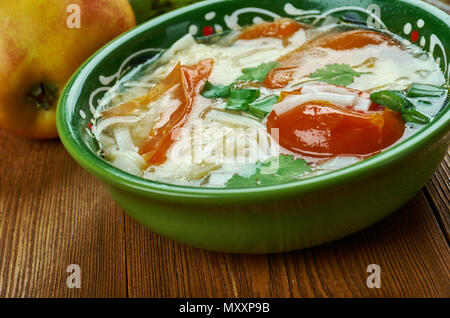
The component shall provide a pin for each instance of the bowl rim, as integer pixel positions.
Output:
(100, 168)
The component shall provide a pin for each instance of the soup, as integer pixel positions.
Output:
(271, 103)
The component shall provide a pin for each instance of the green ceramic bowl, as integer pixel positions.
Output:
(274, 218)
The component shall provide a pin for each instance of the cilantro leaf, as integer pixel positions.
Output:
(278, 170)
(257, 73)
(215, 91)
(288, 166)
(337, 74)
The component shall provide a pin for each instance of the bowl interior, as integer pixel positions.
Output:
(83, 92)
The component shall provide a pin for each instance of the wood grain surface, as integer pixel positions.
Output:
(53, 213)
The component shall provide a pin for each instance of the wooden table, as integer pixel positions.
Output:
(53, 214)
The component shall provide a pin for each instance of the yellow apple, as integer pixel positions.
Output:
(42, 42)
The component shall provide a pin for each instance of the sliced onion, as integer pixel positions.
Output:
(123, 139)
(105, 123)
(362, 104)
(232, 119)
(325, 88)
(182, 44)
(293, 101)
(129, 161)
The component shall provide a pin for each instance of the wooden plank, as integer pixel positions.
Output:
(54, 214)
(408, 246)
(438, 192)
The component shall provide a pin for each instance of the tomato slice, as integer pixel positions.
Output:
(322, 130)
(141, 103)
(191, 80)
(291, 63)
(184, 83)
(279, 77)
(281, 29)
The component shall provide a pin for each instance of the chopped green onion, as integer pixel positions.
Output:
(215, 91)
(262, 107)
(413, 116)
(397, 101)
(424, 90)
(394, 100)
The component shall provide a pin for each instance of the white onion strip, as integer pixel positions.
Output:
(362, 104)
(293, 101)
(105, 123)
(123, 139)
(129, 161)
(324, 88)
(235, 120)
(181, 44)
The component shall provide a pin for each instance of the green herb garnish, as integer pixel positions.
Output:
(425, 90)
(215, 91)
(257, 73)
(245, 99)
(273, 171)
(337, 74)
(241, 98)
(261, 108)
(397, 101)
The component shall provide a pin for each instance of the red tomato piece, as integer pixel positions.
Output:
(291, 62)
(322, 130)
(279, 77)
(191, 80)
(185, 83)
